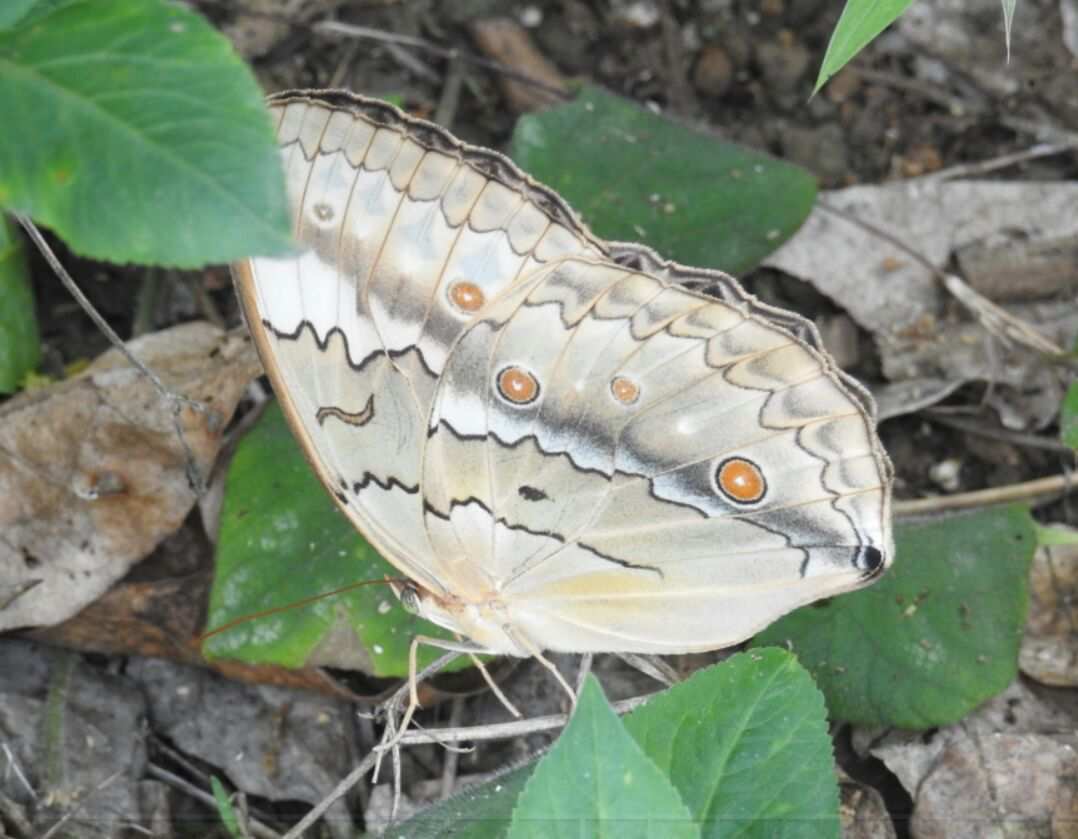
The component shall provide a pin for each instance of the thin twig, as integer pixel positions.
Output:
(15, 816)
(339, 791)
(994, 319)
(177, 400)
(196, 771)
(505, 730)
(1047, 129)
(344, 66)
(452, 756)
(257, 828)
(955, 105)
(335, 27)
(412, 64)
(18, 590)
(499, 731)
(1018, 438)
(1028, 491)
(1048, 132)
(66, 817)
(207, 308)
(992, 164)
(13, 762)
(651, 666)
(446, 111)
(875, 230)
(146, 304)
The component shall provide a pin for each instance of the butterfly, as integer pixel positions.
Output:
(564, 444)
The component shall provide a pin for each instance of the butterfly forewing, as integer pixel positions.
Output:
(405, 235)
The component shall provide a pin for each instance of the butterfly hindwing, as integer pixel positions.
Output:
(597, 507)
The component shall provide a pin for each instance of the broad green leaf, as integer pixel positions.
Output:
(282, 540)
(861, 21)
(635, 176)
(141, 136)
(1068, 417)
(13, 11)
(596, 781)
(20, 344)
(477, 812)
(744, 743)
(938, 635)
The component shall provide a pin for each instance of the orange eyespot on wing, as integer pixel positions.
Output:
(625, 390)
(518, 386)
(466, 296)
(740, 480)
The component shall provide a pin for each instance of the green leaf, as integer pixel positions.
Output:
(13, 11)
(225, 811)
(744, 743)
(596, 781)
(635, 176)
(282, 540)
(1050, 537)
(20, 344)
(483, 811)
(861, 21)
(142, 136)
(1068, 417)
(938, 635)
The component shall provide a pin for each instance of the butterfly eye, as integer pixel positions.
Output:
(740, 480)
(409, 598)
(466, 296)
(517, 385)
(625, 390)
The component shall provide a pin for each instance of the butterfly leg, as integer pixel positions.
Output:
(393, 732)
(653, 666)
(526, 644)
(497, 691)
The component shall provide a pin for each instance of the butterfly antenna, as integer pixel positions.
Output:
(306, 601)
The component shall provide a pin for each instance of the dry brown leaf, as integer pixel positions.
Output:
(93, 473)
(1007, 770)
(862, 811)
(507, 42)
(852, 254)
(1049, 650)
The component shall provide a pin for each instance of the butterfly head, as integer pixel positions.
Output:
(485, 623)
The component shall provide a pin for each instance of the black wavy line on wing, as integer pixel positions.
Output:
(748, 518)
(368, 478)
(323, 344)
(836, 495)
(584, 470)
(557, 537)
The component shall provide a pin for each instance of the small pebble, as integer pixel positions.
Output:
(947, 474)
(714, 71)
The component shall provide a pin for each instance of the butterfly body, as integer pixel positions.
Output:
(566, 444)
